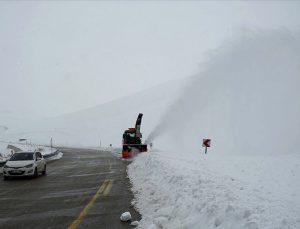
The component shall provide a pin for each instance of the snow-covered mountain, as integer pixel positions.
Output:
(104, 123)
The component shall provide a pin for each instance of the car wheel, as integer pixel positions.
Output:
(35, 173)
(44, 172)
(5, 178)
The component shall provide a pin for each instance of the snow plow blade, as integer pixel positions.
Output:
(131, 150)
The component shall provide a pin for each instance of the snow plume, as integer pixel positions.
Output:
(246, 98)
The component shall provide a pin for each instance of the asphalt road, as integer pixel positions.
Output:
(84, 189)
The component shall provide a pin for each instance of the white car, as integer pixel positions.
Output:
(24, 164)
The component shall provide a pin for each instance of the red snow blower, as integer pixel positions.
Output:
(132, 140)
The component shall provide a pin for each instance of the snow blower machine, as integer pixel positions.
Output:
(132, 140)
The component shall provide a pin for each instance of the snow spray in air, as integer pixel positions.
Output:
(246, 98)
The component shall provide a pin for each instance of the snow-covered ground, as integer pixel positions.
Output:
(216, 191)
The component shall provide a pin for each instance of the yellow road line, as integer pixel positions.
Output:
(108, 188)
(103, 190)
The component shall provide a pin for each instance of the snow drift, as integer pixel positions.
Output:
(246, 98)
(253, 192)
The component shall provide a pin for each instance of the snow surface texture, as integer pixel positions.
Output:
(205, 191)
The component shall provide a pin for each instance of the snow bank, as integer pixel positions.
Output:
(206, 192)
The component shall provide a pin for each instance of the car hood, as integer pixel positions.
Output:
(19, 163)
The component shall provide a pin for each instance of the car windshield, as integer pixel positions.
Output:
(22, 157)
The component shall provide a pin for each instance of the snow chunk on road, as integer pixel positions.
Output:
(135, 223)
(58, 156)
(126, 216)
(202, 192)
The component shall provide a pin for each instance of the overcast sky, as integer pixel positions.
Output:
(58, 57)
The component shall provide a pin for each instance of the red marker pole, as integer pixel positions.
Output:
(206, 143)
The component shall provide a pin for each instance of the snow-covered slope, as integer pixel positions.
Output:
(104, 123)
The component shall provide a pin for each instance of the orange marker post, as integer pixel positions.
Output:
(206, 143)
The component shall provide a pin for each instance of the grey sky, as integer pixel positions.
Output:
(58, 57)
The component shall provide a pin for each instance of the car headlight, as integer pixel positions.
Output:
(6, 166)
(29, 166)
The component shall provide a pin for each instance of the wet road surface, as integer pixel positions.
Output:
(84, 189)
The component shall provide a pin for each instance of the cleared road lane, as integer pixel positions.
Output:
(84, 189)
